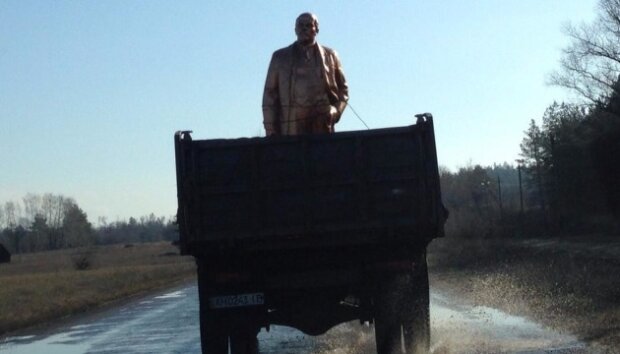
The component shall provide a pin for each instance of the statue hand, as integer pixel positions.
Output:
(270, 131)
(334, 115)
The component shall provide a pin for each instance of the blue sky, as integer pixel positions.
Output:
(91, 92)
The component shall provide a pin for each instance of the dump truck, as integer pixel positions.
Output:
(311, 231)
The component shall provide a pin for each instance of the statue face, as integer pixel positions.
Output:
(306, 30)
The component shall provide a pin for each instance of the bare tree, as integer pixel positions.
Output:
(32, 206)
(53, 210)
(590, 65)
(47, 222)
(1, 218)
(37, 239)
(12, 214)
(14, 230)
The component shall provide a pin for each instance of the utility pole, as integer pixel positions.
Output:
(520, 188)
(519, 164)
(499, 193)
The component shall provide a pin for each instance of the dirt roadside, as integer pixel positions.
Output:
(569, 284)
(36, 288)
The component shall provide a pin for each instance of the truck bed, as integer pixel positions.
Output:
(310, 191)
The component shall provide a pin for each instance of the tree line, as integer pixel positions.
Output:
(51, 222)
(565, 181)
(569, 171)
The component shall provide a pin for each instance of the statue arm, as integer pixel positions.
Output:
(271, 100)
(343, 88)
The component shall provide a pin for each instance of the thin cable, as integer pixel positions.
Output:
(358, 116)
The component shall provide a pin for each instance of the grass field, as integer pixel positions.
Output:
(40, 287)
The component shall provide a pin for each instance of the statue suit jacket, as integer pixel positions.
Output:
(277, 96)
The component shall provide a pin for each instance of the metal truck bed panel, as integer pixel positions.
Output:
(352, 186)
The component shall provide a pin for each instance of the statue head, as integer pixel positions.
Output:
(306, 28)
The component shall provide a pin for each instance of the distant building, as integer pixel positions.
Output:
(5, 255)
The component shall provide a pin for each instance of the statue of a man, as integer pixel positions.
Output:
(305, 91)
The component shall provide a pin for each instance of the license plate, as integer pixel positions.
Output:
(241, 300)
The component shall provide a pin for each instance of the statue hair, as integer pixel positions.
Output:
(311, 15)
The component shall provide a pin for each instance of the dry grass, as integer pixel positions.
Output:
(42, 286)
(570, 285)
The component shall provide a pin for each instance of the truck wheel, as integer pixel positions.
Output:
(389, 301)
(387, 333)
(243, 343)
(213, 338)
(213, 341)
(417, 326)
(402, 321)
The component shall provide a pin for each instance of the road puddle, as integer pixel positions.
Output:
(55, 344)
(458, 328)
(168, 323)
(171, 295)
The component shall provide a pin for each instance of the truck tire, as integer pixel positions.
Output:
(417, 327)
(243, 343)
(213, 338)
(402, 321)
(387, 326)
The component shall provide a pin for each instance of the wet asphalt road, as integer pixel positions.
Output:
(168, 323)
